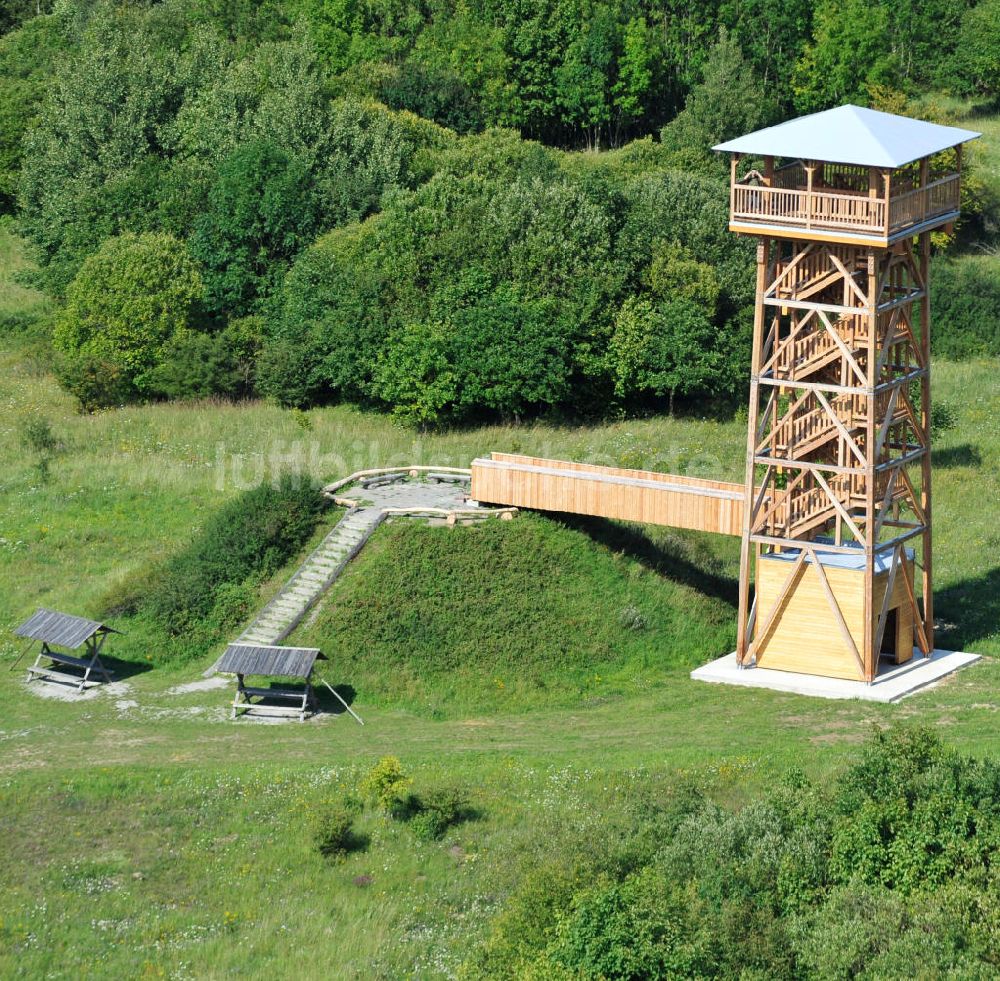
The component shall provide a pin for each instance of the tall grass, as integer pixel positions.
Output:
(17, 299)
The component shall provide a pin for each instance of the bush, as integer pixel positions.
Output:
(415, 375)
(632, 618)
(195, 365)
(333, 832)
(385, 786)
(131, 300)
(438, 810)
(890, 872)
(491, 291)
(371, 150)
(675, 274)
(330, 321)
(494, 351)
(642, 928)
(38, 437)
(666, 349)
(247, 539)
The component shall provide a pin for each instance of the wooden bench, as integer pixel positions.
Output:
(383, 480)
(68, 632)
(449, 478)
(51, 673)
(243, 703)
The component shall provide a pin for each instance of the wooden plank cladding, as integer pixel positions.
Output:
(609, 492)
(805, 634)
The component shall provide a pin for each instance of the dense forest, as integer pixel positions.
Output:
(385, 202)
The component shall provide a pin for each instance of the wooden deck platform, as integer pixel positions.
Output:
(609, 492)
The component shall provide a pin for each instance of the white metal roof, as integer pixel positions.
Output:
(851, 135)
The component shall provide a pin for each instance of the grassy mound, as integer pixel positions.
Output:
(510, 615)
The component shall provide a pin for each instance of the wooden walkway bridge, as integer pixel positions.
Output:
(609, 492)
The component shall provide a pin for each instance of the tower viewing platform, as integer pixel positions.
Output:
(849, 175)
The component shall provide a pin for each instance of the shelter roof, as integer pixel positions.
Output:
(292, 662)
(851, 135)
(62, 629)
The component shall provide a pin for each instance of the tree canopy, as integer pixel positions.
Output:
(381, 201)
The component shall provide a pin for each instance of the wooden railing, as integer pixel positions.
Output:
(609, 492)
(843, 211)
(810, 350)
(808, 209)
(940, 197)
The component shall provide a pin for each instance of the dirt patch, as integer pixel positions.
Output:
(69, 693)
(208, 684)
(846, 731)
(117, 739)
(155, 713)
(319, 718)
(21, 758)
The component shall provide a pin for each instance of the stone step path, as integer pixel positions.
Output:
(284, 613)
(438, 497)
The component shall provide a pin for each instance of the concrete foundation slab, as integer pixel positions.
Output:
(893, 682)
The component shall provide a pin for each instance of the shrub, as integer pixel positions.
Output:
(666, 349)
(129, 302)
(415, 377)
(890, 872)
(632, 618)
(438, 810)
(675, 273)
(385, 786)
(329, 321)
(371, 150)
(248, 538)
(38, 437)
(855, 924)
(494, 351)
(511, 351)
(333, 832)
(195, 365)
(914, 814)
(642, 928)
(943, 417)
(491, 291)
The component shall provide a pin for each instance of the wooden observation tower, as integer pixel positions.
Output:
(837, 501)
(835, 509)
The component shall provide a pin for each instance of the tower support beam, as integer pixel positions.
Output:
(838, 459)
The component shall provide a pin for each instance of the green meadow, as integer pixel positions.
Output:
(541, 665)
